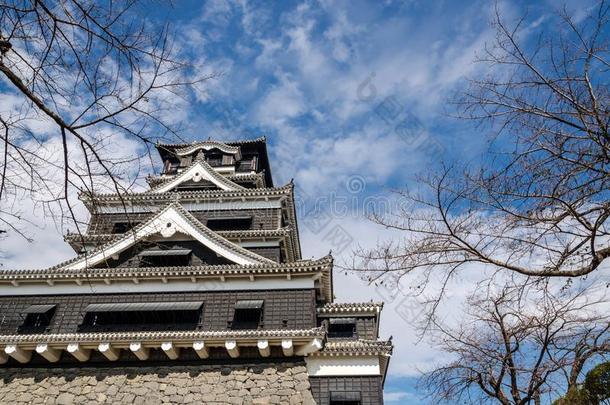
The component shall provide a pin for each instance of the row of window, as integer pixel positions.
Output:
(215, 224)
(248, 314)
(246, 164)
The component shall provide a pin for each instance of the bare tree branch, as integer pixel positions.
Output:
(92, 74)
(539, 205)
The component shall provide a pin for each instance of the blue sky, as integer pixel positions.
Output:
(333, 85)
(339, 89)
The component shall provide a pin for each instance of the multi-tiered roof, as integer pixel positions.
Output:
(211, 222)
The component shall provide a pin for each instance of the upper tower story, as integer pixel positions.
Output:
(226, 187)
(244, 162)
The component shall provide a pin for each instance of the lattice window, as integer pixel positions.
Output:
(37, 318)
(142, 316)
(248, 314)
(342, 328)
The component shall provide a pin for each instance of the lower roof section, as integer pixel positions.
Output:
(323, 357)
(360, 346)
(153, 337)
(351, 358)
(350, 308)
(303, 274)
(295, 342)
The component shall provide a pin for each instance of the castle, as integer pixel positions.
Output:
(193, 291)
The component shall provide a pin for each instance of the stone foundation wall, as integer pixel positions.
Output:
(285, 383)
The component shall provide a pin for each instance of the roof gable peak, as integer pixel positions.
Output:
(171, 219)
(199, 170)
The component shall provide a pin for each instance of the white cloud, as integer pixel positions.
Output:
(397, 396)
(266, 57)
(282, 102)
(217, 12)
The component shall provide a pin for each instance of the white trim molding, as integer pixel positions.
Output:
(279, 282)
(343, 365)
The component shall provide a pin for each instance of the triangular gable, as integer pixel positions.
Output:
(198, 171)
(167, 222)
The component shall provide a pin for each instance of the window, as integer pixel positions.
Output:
(122, 227)
(247, 164)
(227, 160)
(142, 316)
(246, 184)
(171, 167)
(342, 328)
(345, 398)
(165, 257)
(204, 185)
(186, 161)
(37, 318)
(214, 159)
(229, 223)
(248, 314)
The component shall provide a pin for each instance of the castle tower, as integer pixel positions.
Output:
(194, 291)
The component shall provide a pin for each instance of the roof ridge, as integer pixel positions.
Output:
(278, 231)
(352, 304)
(153, 335)
(357, 346)
(187, 150)
(203, 193)
(157, 178)
(228, 142)
(340, 342)
(217, 269)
